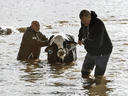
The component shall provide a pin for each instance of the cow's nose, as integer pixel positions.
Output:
(61, 53)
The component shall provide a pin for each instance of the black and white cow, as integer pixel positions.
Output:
(62, 48)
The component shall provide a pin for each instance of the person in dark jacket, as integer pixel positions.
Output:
(32, 42)
(94, 37)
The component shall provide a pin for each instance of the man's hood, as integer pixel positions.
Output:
(93, 16)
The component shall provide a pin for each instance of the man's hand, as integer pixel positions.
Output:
(79, 42)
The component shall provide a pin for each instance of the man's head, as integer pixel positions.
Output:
(35, 26)
(85, 17)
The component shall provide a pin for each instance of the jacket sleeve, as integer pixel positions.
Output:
(80, 32)
(43, 37)
(97, 39)
(32, 39)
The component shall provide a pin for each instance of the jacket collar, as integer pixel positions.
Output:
(29, 28)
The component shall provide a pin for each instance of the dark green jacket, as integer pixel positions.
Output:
(98, 41)
(31, 44)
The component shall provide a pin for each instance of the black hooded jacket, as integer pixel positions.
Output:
(98, 41)
(31, 45)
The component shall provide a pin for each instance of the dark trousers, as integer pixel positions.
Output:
(91, 61)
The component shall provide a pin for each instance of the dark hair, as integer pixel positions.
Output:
(85, 13)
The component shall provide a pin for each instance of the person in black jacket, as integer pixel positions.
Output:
(94, 37)
(32, 42)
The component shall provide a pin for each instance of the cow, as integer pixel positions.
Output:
(62, 48)
(6, 31)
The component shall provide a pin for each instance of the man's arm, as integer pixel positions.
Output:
(80, 34)
(33, 40)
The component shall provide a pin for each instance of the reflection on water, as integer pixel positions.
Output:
(32, 73)
(36, 70)
(59, 79)
(96, 86)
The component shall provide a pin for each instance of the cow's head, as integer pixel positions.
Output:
(59, 40)
(63, 43)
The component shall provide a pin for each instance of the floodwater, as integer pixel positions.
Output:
(55, 16)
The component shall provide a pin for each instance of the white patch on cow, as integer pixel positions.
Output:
(58, 40)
